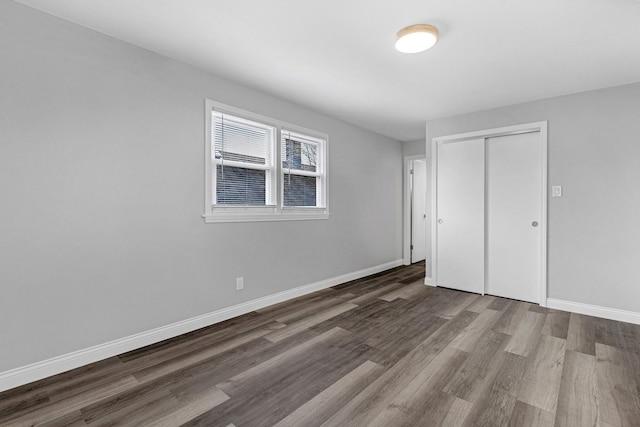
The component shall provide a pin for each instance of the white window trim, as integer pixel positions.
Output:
(220, 213)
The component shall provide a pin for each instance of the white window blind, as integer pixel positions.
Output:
(243, 154)
(302, 170)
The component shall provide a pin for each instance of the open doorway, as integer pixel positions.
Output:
(415, 223)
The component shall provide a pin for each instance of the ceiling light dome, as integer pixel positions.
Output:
(417, 38)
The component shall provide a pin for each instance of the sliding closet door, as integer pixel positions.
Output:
(514, 216)
(459, 256)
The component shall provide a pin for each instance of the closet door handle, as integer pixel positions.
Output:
(440, 221)
(534, 223)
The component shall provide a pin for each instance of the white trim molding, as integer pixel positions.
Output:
(293, 216)
(56, 365)
(595, 310)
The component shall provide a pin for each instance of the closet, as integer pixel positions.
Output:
(489, 202)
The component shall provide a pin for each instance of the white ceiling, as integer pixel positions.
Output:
(337, 56)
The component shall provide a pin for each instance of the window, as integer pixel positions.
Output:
(243, 157)
(245, 182)
(302, 183)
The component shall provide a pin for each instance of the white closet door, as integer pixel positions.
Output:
(460, 215)
(514, 214)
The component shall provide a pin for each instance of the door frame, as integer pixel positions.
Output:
(408, 199)
(490, 133)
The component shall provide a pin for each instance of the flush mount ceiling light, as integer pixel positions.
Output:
(417, 38)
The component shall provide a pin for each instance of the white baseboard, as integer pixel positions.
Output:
(595, 310)
(429, 281)
(56, 365)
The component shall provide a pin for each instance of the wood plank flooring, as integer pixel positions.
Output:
(384, 350)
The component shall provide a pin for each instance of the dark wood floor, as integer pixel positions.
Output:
(380, 351)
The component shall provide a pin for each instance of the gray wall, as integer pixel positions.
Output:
(413, 148)
(102, 189)
(594, 153)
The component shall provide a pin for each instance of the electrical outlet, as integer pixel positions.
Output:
(239, 283)
(556, 191)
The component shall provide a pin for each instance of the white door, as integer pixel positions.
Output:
(459, 257)
(419, 211)
(514, 216)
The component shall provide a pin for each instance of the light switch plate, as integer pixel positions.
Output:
(556, 191)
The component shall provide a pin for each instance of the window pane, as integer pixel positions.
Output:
(240, 186)
(299, 190)
(299, 155)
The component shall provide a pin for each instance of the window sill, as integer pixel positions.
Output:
(285, 215)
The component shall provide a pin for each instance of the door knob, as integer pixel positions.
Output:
(440, 221)
(534, 223)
